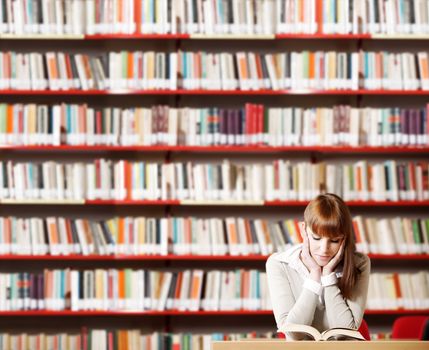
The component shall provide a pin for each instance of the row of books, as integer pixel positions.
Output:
(214, 17)
(151, 70)
(276, 180)
(253, 124)
(287, 16)
(185, 290)
(119, 339)
(392, 291)
(67, 17)
(128, 289)
(398, 235)
(375, 16)
(140, 236)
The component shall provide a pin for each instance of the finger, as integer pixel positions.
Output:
(341, 251)
(336, 259)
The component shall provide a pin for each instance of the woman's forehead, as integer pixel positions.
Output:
(331, 235)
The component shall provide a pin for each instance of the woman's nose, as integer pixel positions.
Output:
(324, 246)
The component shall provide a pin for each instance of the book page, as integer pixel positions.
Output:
(339, 333)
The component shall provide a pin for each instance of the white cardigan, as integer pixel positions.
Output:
(296, 302)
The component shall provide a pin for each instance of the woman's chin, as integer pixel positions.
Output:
(322, 261)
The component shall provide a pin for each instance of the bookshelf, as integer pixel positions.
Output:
(213, 37)
(223, 149)
(179, 97)
(224, 203)
(253, 257)
(239, 313)
(216, 92)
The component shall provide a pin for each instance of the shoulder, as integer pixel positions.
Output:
(362, 261)
(284, 258)
(273, 260)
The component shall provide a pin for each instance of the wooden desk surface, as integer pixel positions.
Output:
(321, 345)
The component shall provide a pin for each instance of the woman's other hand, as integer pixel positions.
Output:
(311, 265)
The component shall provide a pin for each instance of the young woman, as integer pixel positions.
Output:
(324, 281)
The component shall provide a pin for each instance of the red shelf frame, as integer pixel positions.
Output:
(210, 203)
(399, 256)
(134, 313)
(200, 36)
(210, 149)
(212, 92)
(397, 312)
(183, 313)
(171, 257)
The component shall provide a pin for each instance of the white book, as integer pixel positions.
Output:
(83, 79)
(386, 241)
(74, 290)
(166, 281)
(209, 25)
(173, 71)
(184, 301)
(18, 16)
(269, 60)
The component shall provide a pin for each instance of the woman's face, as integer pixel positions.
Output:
(323, 249)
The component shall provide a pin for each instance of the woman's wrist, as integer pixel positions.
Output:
(316, 274)
(326, 272)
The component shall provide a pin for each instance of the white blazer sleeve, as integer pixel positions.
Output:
(348, 313)
(286, 309)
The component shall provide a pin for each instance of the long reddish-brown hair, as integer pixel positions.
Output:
(328, 216)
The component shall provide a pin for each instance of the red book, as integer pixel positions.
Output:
(276, 175)
(110, 285)
(98, 123)
(140, 66)
(110, 343)
(412, 178)
(69, 232)
(97, 14)
(7, 231)
(178, 285)
(68, 68)
(397, 286)
(20, 119)
(319, 16)
(138, 16)
(128, 178)
(84, 338)
(427, 122)
(295, 222)
(254, 123)
(248, 130)
(356, 231)
(260, 122)
(176, 342)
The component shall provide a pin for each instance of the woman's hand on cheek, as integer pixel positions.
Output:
(332, 264)
(311, 265)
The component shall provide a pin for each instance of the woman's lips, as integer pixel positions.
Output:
(323, 257)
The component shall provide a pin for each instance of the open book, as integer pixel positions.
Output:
(330, 334)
